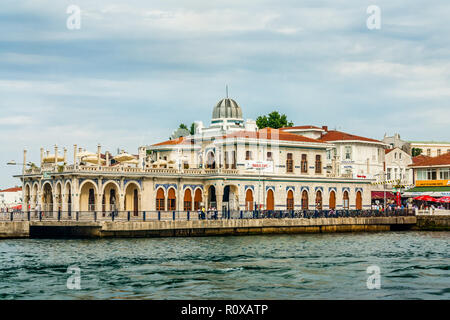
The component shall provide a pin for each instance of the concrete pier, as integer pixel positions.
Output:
(216, 227)
(155, 228)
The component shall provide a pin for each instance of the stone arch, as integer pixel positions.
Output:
(210, 160)
(27, 196)
(346, 200)
(212, 199)
(47, 197)
(230, 198)
(198, 198)
(132, 197)
(88, 195)
(59, 195)
(270, 201)
(249, 200)
(171, 199)
(68, 196)
(358, 200)
(187, 201)
(305, 200)
(319, 200)
(290, 200)
(111, 196)
(35, 194)
(160, 199)
(332, 202)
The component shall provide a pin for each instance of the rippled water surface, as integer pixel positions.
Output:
(414, 265)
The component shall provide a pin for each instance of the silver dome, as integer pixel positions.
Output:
(227, 109)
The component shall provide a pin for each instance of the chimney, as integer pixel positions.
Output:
(74, 154)
(65, 155)
(56, 154)
(24, 159)
(325, 128)
(99, 148)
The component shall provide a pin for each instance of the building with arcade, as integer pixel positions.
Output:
(228, 165)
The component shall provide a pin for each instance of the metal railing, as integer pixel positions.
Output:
(194, 215)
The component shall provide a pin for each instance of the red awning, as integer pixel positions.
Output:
(379, 195)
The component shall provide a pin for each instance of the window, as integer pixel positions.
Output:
(428, 152)
(395, 155)
(348, 153)
(318, 164)
(269, 156)
(448, 150)
(289, 163)
(248, 155)
(400, 155)
(438, 152)
(304, 164)
(431, 174)
(421, 174)
(444, 174)
(388, 174)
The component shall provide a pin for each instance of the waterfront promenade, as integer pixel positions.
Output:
(168, 224)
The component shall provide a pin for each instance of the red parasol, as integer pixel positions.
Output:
(443, 200)
(425, 198)
(19, 207)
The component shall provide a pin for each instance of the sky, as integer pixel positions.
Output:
(136, 69)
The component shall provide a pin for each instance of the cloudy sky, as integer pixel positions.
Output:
(137, 68)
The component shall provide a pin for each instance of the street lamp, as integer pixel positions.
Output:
(14, 163)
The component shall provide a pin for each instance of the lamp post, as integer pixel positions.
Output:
(14, 163)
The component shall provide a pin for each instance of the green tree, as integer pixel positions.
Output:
(192, 129)
(416, 152)
(273, 120)
(182, 131)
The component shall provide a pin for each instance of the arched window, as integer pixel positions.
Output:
(290, 201)
(319, 200)
(249, 200)
(346, 201)
(358, 201)
(305, 200)
(160, 200)
(187, 200)
(270, 203)
(332, 200)
(198, 199)
(289, 163)
(210, 160)
(171, 200)
(304, 164)
(318, 164)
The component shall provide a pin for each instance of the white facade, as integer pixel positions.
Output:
(397, 162)
(10, 198)
(432, 149)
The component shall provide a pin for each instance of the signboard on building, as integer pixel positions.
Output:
(263, 166)
(432, 183)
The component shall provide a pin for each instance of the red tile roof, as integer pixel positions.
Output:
(419, 158)
(301, 127)
(269, 133)
(441, 160)
(180, 140)
(334, 135)
(386, 151)
(16, 189)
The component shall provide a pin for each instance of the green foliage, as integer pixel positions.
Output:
(192, 128)
(416, 152)
(273, 120)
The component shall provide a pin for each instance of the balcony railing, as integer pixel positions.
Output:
(94, 216)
